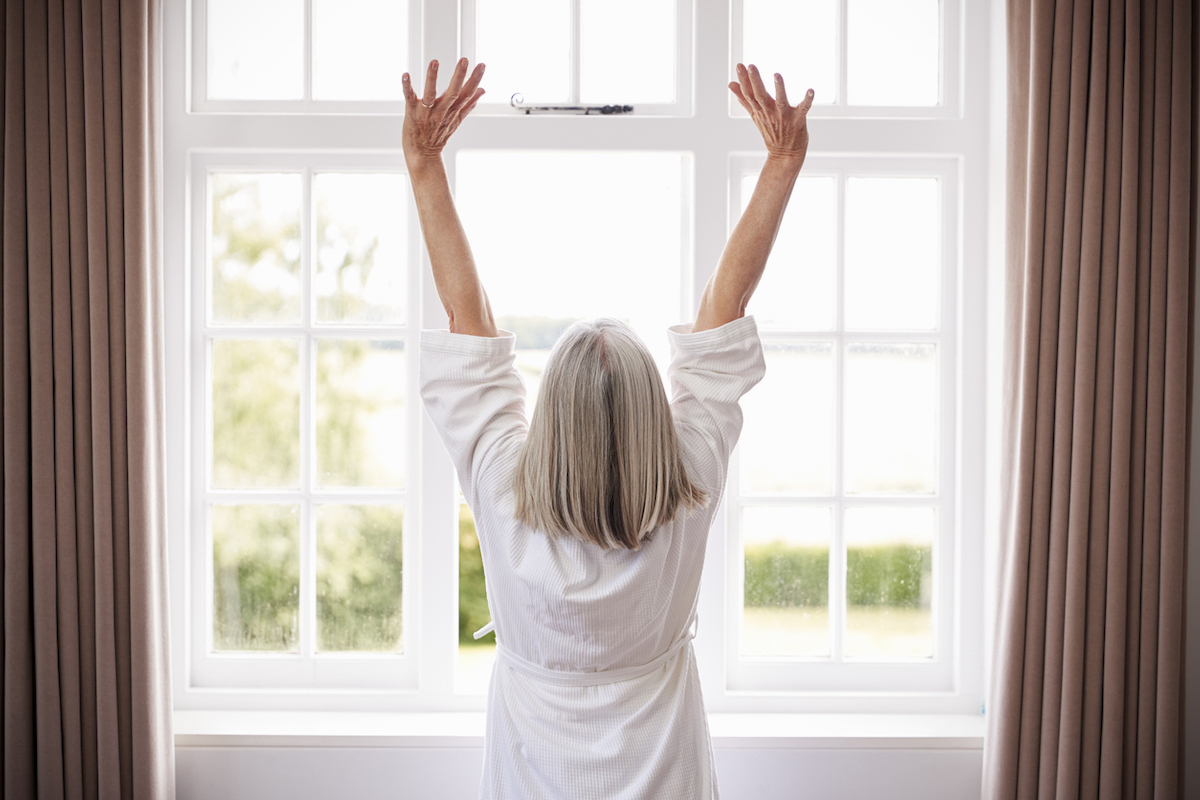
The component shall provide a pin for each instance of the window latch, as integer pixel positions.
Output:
(517, 101)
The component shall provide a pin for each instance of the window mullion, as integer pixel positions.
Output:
(307, 424)
(843, 60)
(575, 54)
(308, 49)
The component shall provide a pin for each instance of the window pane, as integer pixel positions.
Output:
(244, 61)
(889, 582)
(893, 52)
(799, 288)
(567, 236)
(475, 657)
(360, 49)
(360, 413)
(891, 413)
(256, 577)
(359, 576)
(526, 46)
(610, 32)
(786, 608)
(362, 247)
(787, 444)
(255, 413)
(796, 38)
(893, 253)
(254, 252)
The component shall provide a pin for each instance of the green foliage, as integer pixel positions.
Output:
(339, 252)
(473, 611)
(535, 333)
(887, 575)
(256, 443)
(256, 412)
(359, 574)
(256, 577)
(777, 574)
(340, 409)
(246, 237)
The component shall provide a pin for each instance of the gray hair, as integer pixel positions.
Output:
(602, 461)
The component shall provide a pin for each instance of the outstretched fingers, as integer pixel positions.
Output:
(746, 90)
(410, 97)
(470, 106)
(807, 102)
(466, 93)
(761, 95)
(780, 91)
(736, 88)
(430, 84)
(456, 80)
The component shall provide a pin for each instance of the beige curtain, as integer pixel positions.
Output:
(1086, 691)
(86, 692)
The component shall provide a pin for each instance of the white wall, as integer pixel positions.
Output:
(452, 773)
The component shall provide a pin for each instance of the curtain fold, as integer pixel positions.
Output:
(86, 683)
(1086, 686)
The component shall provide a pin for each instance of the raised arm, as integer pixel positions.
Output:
(784, 129)
(428, 124)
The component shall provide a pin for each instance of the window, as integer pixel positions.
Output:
(322, 555)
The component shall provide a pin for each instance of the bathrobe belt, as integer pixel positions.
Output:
(562, 677)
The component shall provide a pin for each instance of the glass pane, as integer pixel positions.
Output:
(787, 444)
(610, 31)
(362, 247)
(786, 594)
(256, 577)
(360, 413)
(526, 46)
(796, 38)
(244, 63)
(566, 236)
(475, 657)
(891, 413)
(889, 582)
(255, 413)
(893, 52)
(799, 288)
(360, 49)
(359, 578)
(893, 253)
(254, 251)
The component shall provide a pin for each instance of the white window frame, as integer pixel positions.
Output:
(202, 135)
(833, 674)
(950, 77)
(682, 106)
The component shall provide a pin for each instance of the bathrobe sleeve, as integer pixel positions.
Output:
(709, 373)
(475, 398)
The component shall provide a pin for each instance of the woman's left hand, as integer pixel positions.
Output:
(430, 120)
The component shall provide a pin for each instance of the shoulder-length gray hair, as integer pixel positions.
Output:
(602, 461)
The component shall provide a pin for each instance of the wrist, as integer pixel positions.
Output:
(423, 163)
(787, 161)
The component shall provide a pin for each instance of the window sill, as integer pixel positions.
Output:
(465, 730)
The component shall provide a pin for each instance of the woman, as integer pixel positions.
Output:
(593, 517)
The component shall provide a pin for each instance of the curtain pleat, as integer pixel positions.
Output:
(86, 692)
(1087, 680)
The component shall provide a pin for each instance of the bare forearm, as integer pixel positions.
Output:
(745, 256)
(454, 272)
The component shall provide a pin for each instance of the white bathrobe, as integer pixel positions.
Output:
(595, 692)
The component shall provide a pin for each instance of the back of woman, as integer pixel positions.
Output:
(593, 517)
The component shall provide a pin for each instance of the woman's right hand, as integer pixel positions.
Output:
(784, 127)
(430, 120)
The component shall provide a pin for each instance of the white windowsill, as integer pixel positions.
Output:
(385, 729)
